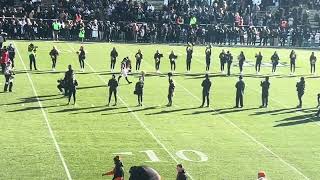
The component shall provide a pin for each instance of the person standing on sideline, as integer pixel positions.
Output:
(206, 85)
(4, 59)
(9, 75)
(32, 49)
(208, 57)
(241, 59)
(113, 86)
(265, 85)
(157, 59)
(113, 55)
(173, 58)
(222, 58)
(181, 174)
(258, 62)
(81, 33)
(170, 89)
(274, 61)
(189, 51)
(300, 89)
(139, 58)
(139, 91)
(313, 60)
(54, 55)
(72, 90)
(12, 54)
(118, 171)
(293, 58)
(229, 58)
(240, 85)
(82, 56)
(56, 28)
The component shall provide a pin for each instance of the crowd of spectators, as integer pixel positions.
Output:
(220, 22)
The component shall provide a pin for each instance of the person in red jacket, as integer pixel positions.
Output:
(117, 172)
(4, 59)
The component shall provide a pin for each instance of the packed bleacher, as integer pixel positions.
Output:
(226, 22)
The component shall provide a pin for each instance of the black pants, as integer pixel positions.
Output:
(170, 95)
(113, 63)
(222, 66)
(312, 68)
(274, 67)
(12, 61)
(318, 112)
(258, 66)
(241, 67)
(125, 78)
(81, 62)
(72, 92)
(300, 98)
(292, 66)
(207, 65)
(8, 83)
(265, 99)
(173, 65)
(239, 99)
(32, 60)
(140, 98)
(54, 62)
(157, 65)
(229, 68)
(138, 63)
(114, 92)
(204, 97)
(188, 65)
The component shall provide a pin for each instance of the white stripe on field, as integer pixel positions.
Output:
(45, 118)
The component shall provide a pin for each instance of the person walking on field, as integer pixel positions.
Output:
(117, 172)
(275, 61)
(240, 85)
(139, 91)
(258, 62)
(300, 90)
(265, 85)
(206, 85)
(113, 55)
(170, 90)
(82, 56)
(313, 60)
(54, 56)
(113, 86)
(181, 174)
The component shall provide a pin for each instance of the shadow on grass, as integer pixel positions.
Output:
(171, 111)
(34, 99)
(134, 110)
(298, 120)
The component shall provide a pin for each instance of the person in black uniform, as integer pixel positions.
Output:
(68, 79)
(229, 58)
(157, 59)
(313, 60)
(113, 55)
(189, 51)
(241, 59)
(54, 54)
(206, 85)
(113, 85)
(61, 85)
(82, 56)
(173, 58)
(300, 89)
(222, 58)
(293, 58)
(117, 171)
(265, 92)
(240, 85)
(181, 174)
(143, 173)
(139, 91)
(170, 89)
(258, 62)
(12, 54)
(32, 49)
(208, 57)
(318, 112)
(72, 90)
(274, 61)
(139, 58)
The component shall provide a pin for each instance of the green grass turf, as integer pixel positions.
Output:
(238, 142)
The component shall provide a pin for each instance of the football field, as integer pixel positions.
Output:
(43, 138)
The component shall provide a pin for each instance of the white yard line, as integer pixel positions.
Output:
(45, 118)
(136, 117)
(246, 134)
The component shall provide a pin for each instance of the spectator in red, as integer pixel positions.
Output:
(4, 58)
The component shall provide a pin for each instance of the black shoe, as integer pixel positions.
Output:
(114, 104)
(201, 106)
(261, 106)
(235, 106)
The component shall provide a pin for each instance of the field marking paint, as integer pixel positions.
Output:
(45, 117)
(135, 116)
(202, 156)
(123, 153)
(249, 136)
